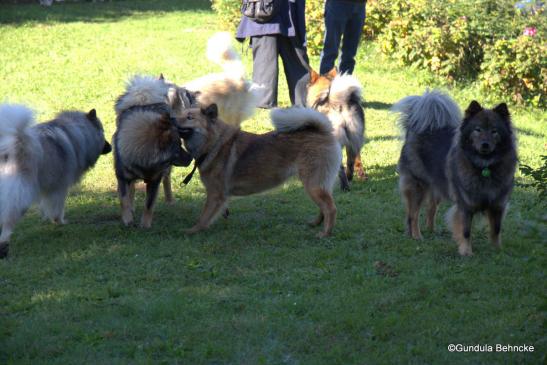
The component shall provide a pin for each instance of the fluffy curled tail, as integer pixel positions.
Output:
(345, 88)
(18, 153)
(295, 118)
(221, 52)
(142, 90)
(15, 121)
(431, 111)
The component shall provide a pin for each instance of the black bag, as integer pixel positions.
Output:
(260, 11)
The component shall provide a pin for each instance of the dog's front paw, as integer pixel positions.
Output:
(60, 221)
(193, 230)
(465, 250)
(323, 235)
(146, 223)
(127, 218)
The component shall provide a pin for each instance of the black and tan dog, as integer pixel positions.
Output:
(339, 97)
(470, 162)
(236, 163)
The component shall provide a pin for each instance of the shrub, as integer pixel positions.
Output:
(517, 67)
(228, 12)
(539, 177)
(450, 38)
(379, 14)
(315, 26)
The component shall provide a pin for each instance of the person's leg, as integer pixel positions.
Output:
(265, 68)
(336, 16)
(295, 62)
(352, 36)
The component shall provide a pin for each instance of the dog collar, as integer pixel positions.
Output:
(486, 172)
(198, 161)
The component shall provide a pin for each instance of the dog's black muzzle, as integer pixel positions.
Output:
(485, 148)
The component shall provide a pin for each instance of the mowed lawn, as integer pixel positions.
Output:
(257, 288)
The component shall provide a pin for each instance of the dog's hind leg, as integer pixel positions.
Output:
(344, 183)
(358, 166)
(495, 217)
(324, 200)
(126, 192)
(53, 206)
(413, 196)
(354, 164)
(152, 188)
(167, 191)
(214, 205)
(433, 204)
(461, 230)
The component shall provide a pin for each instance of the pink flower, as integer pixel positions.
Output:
(530, 31)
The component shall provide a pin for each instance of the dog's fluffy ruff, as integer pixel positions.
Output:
(138, 139)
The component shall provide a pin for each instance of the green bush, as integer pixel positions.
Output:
(517, 67)
(538, 176)
(379, 14)
(228, 12)
(315, 26)
(450, 38)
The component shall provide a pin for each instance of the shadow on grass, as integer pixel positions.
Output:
(382, 138)
(378, 105)
(67, 12)
(94, 216)
(529, 133)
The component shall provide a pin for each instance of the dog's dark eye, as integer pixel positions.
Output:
(189, 117)
(494, 131)
(478, 129)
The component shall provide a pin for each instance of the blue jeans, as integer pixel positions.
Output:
(342, 18)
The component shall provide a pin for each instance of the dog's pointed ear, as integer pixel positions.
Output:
(332, 73)
(473, 109)
(92, 114)
(161, 77)
(313, 76)
(173, 99)
(502, 111)
(211, 112)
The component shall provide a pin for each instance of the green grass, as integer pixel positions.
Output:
(258, 288)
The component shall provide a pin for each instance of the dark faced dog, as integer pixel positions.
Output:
(470, 162)
(480, 169)
(146, 144)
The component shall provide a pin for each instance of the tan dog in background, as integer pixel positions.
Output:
(232, 162)
(339, 97)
